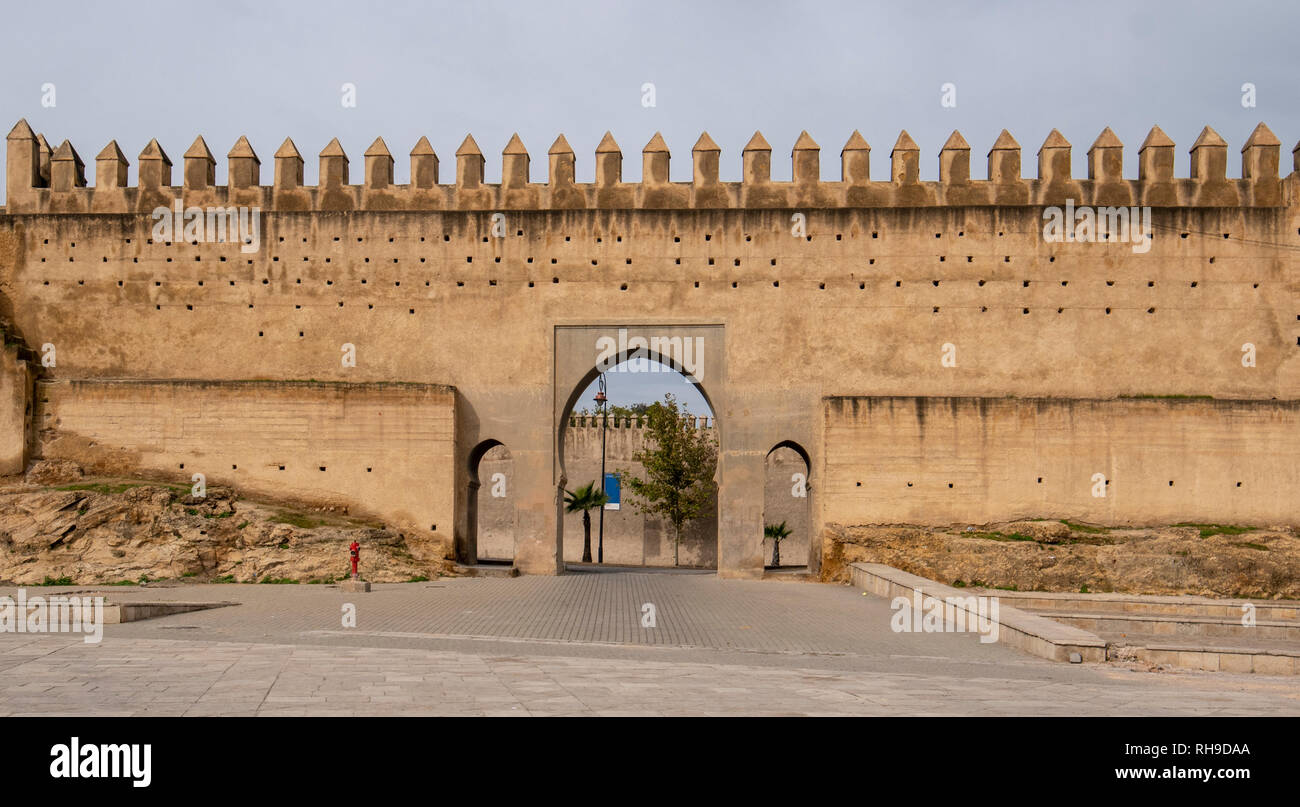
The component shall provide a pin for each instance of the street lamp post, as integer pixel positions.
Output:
(603, 403)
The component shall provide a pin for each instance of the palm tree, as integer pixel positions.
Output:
(778, 533)
(585, 499)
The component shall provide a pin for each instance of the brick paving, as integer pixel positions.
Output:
(572, 645)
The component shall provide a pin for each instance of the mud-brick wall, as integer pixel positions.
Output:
(16, 379)
(940, 461)
(383, 450)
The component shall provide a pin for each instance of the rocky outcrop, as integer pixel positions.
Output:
(110, 532)
(1207, 560)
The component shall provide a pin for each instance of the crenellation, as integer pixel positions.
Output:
(1210, 171)
(67, 171)
(424, 165)
(46, 155)
(155, 168)
(288, 166)
(333, 165)
(379, 165)
(469, 165)
(707, 190)
(757, 161)
(1156, 169)
(111, 168)
(243, 167)
(1054, 159)
(1260, 157)
(24, 166)
(609, 162)
(200, 172)
(1004, 171)
(905, 161)
(514, 164)
(805, 160)
(954, 160)
(1106, 158)
(855, 160)
(1156, 185)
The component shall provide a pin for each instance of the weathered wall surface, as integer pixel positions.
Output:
(16, 379)
(938, 461)
(379, 450)
(857, 287)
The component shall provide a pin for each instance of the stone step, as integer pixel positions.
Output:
(1171, 626)
(1264, 610)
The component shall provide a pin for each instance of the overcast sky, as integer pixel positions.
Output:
(270, 70)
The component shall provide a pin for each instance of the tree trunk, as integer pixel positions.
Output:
(586, 536)
(776, 553)
(677, 542)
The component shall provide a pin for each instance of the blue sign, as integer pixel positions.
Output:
(613, 490)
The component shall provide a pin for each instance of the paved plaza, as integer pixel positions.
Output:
(572, 645)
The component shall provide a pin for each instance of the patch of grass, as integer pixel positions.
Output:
(81, 511)
(220, 515)
(1006, 588)
(283, 545)
(297, 520)
(225, 578)
(144, 578)
(1077, 527)
(1002, 536)
(242, 525)
(419, 578)
(959, 584)
(123, 583)
(189, 574)
(191, 511)
(278, 581)
(56, 581)
(1083, 589)
(1216, 529)
(1249, 545)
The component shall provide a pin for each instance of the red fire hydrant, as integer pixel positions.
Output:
(355, 551)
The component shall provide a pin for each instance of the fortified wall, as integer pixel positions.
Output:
(930, 351)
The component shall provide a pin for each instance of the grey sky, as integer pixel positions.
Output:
(271, 70)
(645, 381)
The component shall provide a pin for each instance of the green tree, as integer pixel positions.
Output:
(679, 462)
(584, 500)
(778, 533)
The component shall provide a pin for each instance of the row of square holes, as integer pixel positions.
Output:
(676, 238)
(281, 467)
(734, 284)
(529, 259)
